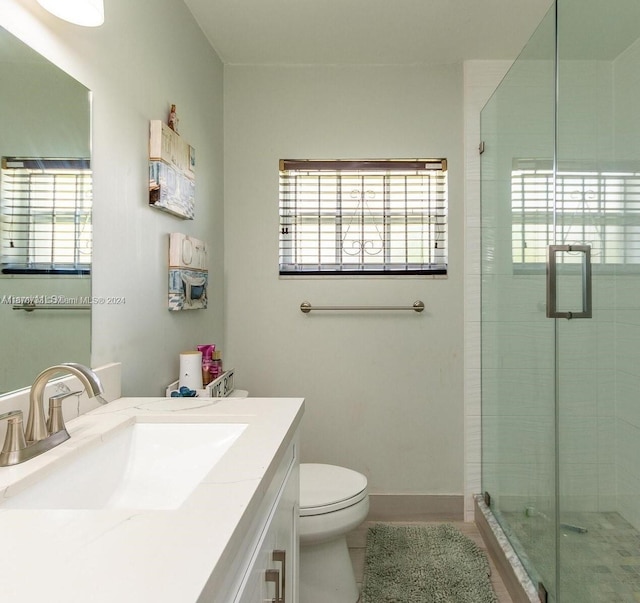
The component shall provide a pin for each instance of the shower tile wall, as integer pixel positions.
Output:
(480, 80)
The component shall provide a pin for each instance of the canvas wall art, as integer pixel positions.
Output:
(172, 176)
(188, 273)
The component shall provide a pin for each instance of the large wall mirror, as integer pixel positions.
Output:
(45, 216)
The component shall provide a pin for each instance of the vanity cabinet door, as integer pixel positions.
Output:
(257, 589)
(285, 526)
(272, 575)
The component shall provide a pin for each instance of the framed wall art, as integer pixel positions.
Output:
(188, 273)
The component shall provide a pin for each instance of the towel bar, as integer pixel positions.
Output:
(306, 307)
(32, 307)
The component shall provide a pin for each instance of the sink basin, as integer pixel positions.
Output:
(142, 466)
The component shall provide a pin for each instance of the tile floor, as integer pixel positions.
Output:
(358, 538)
(598, 565)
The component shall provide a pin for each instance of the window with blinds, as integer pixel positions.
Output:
(45, 216)
(600, 208)
(368, 217)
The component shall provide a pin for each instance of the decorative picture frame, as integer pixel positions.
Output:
(188, 273)
(172, 164)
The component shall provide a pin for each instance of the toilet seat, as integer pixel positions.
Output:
(329, 488)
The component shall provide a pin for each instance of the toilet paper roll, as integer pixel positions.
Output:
(191, 370)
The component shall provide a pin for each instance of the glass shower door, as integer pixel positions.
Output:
(598, 360)
(518, 341)
(561, 303)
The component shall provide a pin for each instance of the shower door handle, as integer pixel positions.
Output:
(552, 281)
(272, 575)
(281, 556)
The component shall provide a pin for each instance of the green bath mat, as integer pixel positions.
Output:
(424, 564)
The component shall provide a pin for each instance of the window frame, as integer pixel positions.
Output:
(319, 230)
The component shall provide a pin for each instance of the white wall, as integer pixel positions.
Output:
(146, 56)
(383, 391)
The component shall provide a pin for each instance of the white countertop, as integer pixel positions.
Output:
(141, 556)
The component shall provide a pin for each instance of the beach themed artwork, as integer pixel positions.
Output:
(172, 178)
(188, 273)
(171, 191)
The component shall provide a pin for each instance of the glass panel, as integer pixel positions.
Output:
(518, 391)
(598, 171)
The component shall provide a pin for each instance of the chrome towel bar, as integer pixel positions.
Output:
(306, 307)
(32, 307)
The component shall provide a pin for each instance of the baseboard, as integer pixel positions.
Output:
(509, 567)
(416, 507)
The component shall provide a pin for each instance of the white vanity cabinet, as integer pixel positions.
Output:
(273, 571)
(267, 566)
(236, 528)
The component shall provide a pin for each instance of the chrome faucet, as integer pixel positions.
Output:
(41, 435)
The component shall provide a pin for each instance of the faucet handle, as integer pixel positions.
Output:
(55, 422)
(14, 439)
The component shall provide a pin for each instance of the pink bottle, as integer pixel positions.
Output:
(207, 362)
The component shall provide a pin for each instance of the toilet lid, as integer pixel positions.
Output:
(327, 488)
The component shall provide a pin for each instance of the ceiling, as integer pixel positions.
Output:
(366, 31)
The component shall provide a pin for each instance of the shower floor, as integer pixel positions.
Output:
(597, 566)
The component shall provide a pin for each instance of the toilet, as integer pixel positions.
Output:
(333, 501)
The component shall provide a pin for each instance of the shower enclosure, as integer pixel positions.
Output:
(561, 303)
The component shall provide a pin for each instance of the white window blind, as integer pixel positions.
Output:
(600, 208)
(45, 216)
(363, 217)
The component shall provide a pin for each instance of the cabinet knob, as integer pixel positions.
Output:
(272, 575)
(280, 556)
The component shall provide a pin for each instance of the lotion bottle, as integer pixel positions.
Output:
(207, 362)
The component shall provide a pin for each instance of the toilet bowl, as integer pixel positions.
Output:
(333, 501)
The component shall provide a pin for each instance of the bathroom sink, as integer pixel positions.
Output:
(142, 466)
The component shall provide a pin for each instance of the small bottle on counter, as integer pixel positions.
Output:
(216, 364)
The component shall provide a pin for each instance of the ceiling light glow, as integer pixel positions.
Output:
(89, 13)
